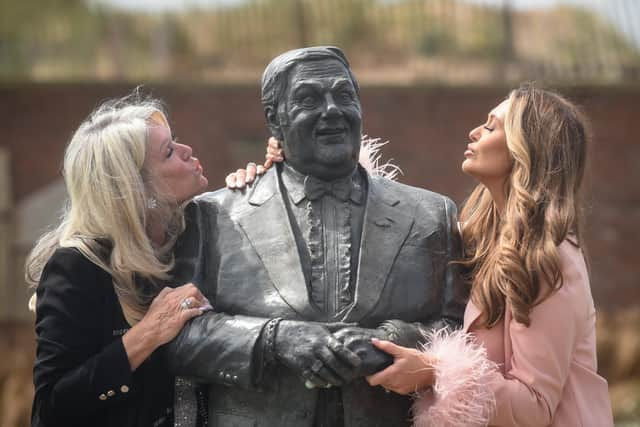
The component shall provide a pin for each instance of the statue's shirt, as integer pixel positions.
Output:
(328, 217)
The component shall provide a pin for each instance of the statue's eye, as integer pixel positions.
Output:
(346, 96)
(308, 101)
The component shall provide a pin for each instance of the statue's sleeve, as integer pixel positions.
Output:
(213, 347)
(454, 294)
(217, 348)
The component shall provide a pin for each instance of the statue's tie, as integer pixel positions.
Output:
(315, 188)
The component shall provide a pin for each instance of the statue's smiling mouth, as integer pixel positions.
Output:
(331, 131)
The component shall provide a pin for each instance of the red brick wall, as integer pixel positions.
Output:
(428, 128)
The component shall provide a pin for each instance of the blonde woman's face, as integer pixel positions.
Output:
(487, 157)
(176, 173)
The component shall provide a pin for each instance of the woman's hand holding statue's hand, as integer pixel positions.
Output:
(167, 314)
(412, 370)
(242, 177)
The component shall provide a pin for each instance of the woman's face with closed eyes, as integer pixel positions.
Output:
(487, 157)
(175, 172)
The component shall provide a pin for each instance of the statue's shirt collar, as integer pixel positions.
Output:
(293, 182)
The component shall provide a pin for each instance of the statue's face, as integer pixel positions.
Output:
(321, 119)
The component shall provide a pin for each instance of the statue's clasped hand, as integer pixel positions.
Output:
(314, 354)
(358, 340)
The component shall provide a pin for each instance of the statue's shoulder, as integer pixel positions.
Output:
(408, 193)
(213, 198)
(429, 209)
(225, 200)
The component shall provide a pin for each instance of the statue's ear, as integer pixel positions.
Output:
(273, 122)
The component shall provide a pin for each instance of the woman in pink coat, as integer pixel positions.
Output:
(527, 352)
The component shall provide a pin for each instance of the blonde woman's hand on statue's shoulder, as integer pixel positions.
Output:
(239, 179)
(167, 315)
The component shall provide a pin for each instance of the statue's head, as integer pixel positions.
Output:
(312, 104)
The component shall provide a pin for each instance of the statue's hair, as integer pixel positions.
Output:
(275, 76)
(107, 213)
(512, 254)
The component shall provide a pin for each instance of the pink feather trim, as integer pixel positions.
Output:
(461, 395)
(370, 158)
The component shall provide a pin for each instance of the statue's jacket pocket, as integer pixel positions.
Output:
(421, 238)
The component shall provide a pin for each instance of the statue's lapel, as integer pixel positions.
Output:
(387, 222)
(266, 225)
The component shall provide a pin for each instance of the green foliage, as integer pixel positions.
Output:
(31, 30)
(437, 41)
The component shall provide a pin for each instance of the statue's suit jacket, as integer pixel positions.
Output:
(240, 250)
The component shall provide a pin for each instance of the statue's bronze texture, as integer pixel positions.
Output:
(308, 264)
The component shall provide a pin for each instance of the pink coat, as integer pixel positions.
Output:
(541, 375)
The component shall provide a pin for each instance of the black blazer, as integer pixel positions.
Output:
(82, 375)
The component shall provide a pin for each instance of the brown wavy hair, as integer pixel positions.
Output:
(511, 254)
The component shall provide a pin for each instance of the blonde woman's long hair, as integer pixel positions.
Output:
(112, 198)
(510, 255)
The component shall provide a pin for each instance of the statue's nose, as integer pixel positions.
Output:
(331, 109)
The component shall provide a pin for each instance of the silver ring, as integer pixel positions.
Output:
(186, 303)
(317, 366)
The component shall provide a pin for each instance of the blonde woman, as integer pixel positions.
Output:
(102, 308)
(527, 353)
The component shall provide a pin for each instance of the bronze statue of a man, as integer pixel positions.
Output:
(310, 263)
